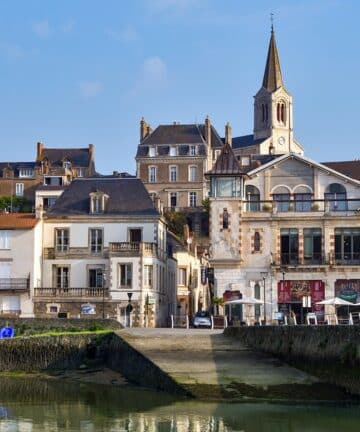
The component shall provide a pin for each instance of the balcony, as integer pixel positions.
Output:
(303, 206)
(71, 252)
(14, 284)
(346, 259)
(132, 249)
(71, 292)
(294, 260)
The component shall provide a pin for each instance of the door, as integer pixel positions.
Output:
(135, 235)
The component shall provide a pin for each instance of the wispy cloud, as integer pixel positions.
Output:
(90, 89)
(153, 75)
(41, 28)
(128, 34)
(12, 51)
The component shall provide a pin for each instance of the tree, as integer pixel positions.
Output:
(176, 222)
(15, 204)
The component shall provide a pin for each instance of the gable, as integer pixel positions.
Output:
(291, 172)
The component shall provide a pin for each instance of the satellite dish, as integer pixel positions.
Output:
(7, 332)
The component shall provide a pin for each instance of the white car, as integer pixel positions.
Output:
(202, 319)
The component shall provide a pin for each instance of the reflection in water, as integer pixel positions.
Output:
(31, 405)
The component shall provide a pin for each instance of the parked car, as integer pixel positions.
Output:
(202, 319)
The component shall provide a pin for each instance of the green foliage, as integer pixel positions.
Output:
(219, 301)
(18, 204)
(176, 222)
(206, 204)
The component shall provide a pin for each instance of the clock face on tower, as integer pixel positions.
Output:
(281, 140)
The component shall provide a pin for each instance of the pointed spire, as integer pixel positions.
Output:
(272, 76)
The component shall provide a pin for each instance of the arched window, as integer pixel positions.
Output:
(281, 112)
(257, 241)
(335, 194)
(264, 112)
(253, 198)
(225, 223)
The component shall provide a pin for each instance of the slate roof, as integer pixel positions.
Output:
(226, 163)
(79, 157)
(348, 168)
(245, 141)
(16, 166)
(126, 197)
(17, 220)
(272, 76)
(181, 136)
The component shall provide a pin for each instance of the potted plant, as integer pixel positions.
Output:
(267, 207)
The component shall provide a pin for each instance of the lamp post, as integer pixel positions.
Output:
(103, 294)
(264, 275)
(129, 307)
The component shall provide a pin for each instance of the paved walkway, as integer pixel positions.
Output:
(207, 357)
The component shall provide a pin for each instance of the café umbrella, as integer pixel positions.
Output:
(335, 301)
(244, 301)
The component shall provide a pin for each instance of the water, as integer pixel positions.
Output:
(31, 405)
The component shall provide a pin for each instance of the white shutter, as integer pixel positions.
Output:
(11, 303)
(5, 270)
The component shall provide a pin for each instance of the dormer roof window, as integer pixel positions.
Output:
(173, 151)
(152, 152)
(26, 172)
(98, 201)
(67, 164)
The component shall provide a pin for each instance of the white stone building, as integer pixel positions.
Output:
(105, 244)
(20, 265)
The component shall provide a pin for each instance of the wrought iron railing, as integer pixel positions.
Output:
(17, 284)
(301, 206)
(294, 259)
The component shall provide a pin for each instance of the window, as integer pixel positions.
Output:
(253, 198)
(67, 165)
(282, 201)
(96, 277)
(53, 309)
(19, 189)
(173, 173)
(312, 245)
(192, 199)
(347, 245)
(61, 239)
(96, 240)
(225, 187)
(264, 112)
(225, 221)
(245, 160)
(53, 181)
(182, 276)
(173, 199)
(80, 172)
(48, 202)
(302, 202)
(125, 276)
(26, 172)
(281, 112)
(152, 174)
(257, 242)
(4, 239)
(173, 151)
(257, 295)
(135, 235)
(152, 152)
(62, 277)
(148, 275)
(289, 243)
(192, 173)
(192, 150)
(336, 196)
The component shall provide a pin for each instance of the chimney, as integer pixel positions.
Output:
(208, 131)
(228, 137)
(40, 148)
(91, 151)
(143, 129)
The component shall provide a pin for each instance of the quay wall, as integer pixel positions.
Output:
(330, 352)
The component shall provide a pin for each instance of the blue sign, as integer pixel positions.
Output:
(7, 332)
(88, 309)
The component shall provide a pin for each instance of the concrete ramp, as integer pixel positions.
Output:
(210, 365)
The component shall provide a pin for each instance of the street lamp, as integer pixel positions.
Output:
(129, 307)
(264, 275)
(103, 294)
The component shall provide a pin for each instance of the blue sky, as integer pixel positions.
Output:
(85, 71)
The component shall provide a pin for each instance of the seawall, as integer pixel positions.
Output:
(331, 353)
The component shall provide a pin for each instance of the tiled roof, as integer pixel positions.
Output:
(348, 168)
(226, 163)
(126, 197)
(17, 220)
(79, 157)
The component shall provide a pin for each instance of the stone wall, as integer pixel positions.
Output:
(330, 352)
(43, 325)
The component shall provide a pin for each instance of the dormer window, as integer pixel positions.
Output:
(172, 151)
(67, 165)
(192, 150)
(152, 151)
(26, 172)
(245, 160)
(98, 202)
